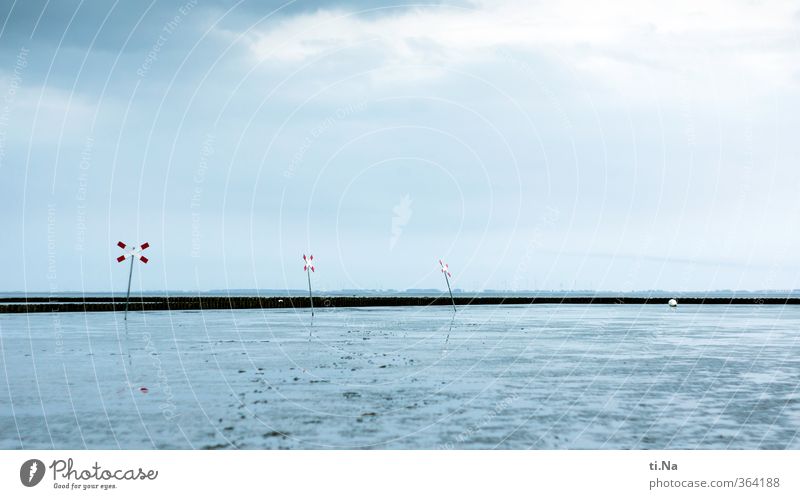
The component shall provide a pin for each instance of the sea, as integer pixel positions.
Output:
(484, 377)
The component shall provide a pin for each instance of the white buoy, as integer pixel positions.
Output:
(673, 302)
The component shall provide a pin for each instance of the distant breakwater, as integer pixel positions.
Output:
(108, 304)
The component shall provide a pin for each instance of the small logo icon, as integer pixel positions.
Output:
(31, 472)
(402, 214)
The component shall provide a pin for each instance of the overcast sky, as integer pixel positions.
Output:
(576, 145)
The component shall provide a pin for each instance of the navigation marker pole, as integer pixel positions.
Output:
(133, 254)
(309, 267)
(447, 276)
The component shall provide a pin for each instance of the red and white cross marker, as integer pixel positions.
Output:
(308, 267)
(133, 253)
(447, 276)
(445, 268)
(309, 263)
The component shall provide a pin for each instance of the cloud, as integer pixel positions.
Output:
(60, 117)
(619, 44)
(76, 23)
(661, 131)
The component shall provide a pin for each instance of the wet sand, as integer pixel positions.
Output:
(515, 376)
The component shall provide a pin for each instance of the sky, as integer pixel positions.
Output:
(531, 145)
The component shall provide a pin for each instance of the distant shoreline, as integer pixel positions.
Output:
(110, 304)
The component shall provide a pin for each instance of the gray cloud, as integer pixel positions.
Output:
(78, 22)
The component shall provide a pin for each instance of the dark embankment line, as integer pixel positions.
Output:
(82, 299)
(21, 305)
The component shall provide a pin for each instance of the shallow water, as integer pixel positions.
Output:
(552, 377)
